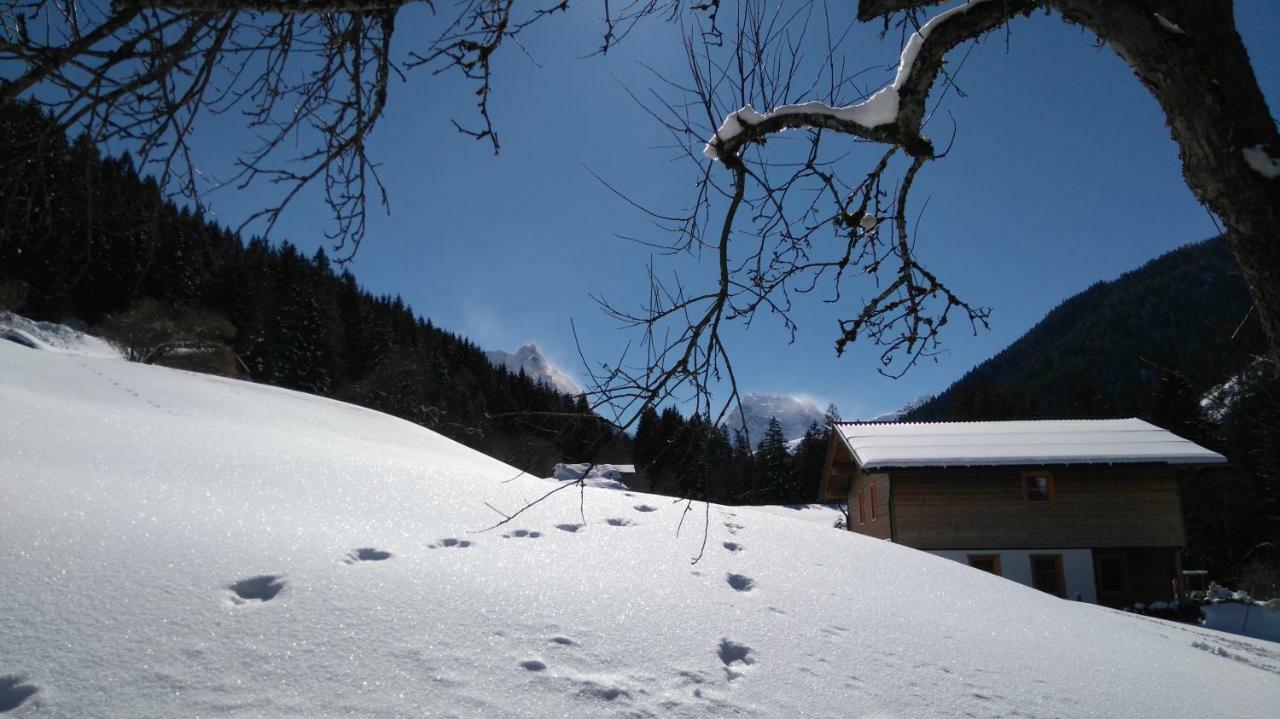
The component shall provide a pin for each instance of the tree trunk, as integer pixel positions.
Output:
(1192, 60)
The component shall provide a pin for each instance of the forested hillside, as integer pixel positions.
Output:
(88, 238)
(1102, 352)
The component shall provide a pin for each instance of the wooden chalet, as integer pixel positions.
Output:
(1084, 509)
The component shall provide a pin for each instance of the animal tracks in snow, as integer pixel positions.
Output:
(259, 589)
(451, 543)
(14, 691)
(740, 582)
(570, 528)
(522, 534)
(735, 657)
(619, 522)
(367, 554)
(733, 547)
(645, 508)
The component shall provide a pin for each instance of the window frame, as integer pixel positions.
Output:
(1028, 476)
(1061, 571)
(996, 569)
(1125, 581)
(862, 506)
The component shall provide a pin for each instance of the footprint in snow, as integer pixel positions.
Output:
(366, 554)
(533, 665)
(262, 588)
(13, 692)
(735, 657)
(522, 534)
(570, 528)
(563, 641)
(620, 522)
(733, 546)
(740, 582)
(644, 508)
(450, 542)
(732, 527)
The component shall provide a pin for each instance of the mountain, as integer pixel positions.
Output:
(529, 359)
(795, 414)
(1102, 352)
(902, 411)
(176, 544)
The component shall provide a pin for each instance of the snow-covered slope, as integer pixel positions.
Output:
(536, 367)
(52, 337)
(795, 414)
(174, 544)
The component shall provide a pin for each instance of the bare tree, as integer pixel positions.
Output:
(317, 75)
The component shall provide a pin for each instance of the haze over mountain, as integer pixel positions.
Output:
(530, 360)
(793, 412)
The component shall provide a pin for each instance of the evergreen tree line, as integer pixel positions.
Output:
(87, 238)
(693, 457)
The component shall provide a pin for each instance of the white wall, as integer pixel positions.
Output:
(1015, 565)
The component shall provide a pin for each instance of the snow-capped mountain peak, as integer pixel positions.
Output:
(793, 412)
(902, 411)
(535, 366)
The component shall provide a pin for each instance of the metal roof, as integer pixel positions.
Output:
(1024, 442)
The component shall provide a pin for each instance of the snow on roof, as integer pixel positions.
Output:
(1032, 442)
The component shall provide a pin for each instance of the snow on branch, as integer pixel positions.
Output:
(1262, 162)
(894, 113)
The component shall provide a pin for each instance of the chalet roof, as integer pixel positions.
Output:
(1031, 442)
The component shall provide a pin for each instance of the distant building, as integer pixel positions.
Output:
(1083, 509)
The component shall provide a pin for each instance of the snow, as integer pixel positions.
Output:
(605, 476)
(823, 515)
(904, 410)
(1065, 441)
(879, 109)
(1169, 25)
(1262, 162)
(52, 337)
(175, 544)
(794, 413)
(536, 367)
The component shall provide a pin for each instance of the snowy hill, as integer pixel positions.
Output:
(52, 337)
(535, 366)
(174, 544)
(795, 414)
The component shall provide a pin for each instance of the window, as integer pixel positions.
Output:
(1046, 574)
(1037, 486)
(873, 501)
(986, 562)
(1113, 573)
(862, 507)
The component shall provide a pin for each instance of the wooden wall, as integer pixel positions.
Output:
(882, 526)
(1093, 506)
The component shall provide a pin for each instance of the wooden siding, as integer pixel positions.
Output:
(881, 527)
(1092, 507)
(838, 473)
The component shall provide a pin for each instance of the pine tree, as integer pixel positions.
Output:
(774, 464)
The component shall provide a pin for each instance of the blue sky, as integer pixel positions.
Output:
(1062, 174)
